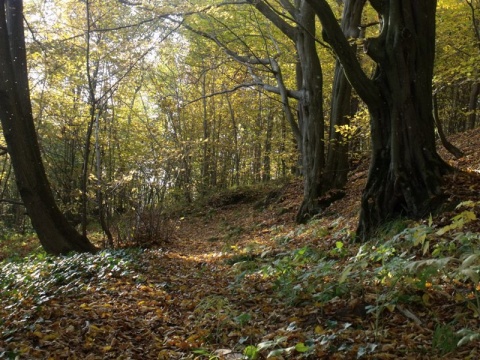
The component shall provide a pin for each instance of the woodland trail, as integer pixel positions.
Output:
(238, 275)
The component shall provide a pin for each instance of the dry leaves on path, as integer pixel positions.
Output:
(243, 281)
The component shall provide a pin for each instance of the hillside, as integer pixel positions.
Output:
(240, 278)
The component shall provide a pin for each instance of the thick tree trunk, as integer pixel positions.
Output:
(56, 235)
(406, 171)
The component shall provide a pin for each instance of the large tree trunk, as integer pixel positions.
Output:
(56, 235)
(406, 171)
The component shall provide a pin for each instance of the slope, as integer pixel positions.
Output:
(240, 278)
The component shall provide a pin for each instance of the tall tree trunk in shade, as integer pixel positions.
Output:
(56, 235)
(406, 171)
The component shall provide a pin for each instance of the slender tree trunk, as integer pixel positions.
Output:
(257, 147)
(206, 137)
(236, 154)
(472, 105)
(311, 119)
(266, 176)
(98, 165)
(56, 235)
(475, 92)
(443, 138)
(84, 179)
(309, 132)
(336, 167)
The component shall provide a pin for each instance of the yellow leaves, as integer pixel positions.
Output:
(426, 299)
(85, 307)
(458, 222)
(450, 4)
(45, 337)
(390, 307)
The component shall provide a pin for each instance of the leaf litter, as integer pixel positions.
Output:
(243, 281)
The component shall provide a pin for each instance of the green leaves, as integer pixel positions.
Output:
(251, 352)
(42, 278)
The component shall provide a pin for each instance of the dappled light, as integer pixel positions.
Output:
(249, 281)
(239, 180)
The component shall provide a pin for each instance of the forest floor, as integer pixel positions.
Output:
(240, 280)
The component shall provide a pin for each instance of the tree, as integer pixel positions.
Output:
(297, 23)
(405, 172)
(336, 166)
(474, 6)
(56, 235)
(295, 20)
(456, 64)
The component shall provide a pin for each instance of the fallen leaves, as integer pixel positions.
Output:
(250, 283)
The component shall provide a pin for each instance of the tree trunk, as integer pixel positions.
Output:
(452, 149)
(336, 167)
(56, 235)
(472, 105)
(311, 121)
(309, 133)
(102, 211)
(236, 154)
(406, 171)
(266, 176)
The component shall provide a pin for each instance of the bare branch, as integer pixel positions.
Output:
(365, 87)
(257, 83)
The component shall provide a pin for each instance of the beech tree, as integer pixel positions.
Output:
(405, 172)
(56, 235)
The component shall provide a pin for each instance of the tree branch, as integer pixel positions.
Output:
(364, 86)
(275, 18)
(272, 89)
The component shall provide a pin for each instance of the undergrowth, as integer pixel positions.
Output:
(408, 267)
(416, 269)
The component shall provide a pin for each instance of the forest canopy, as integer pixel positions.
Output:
(249, 179)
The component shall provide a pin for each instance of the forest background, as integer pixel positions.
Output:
(138, 106)
(143, 110)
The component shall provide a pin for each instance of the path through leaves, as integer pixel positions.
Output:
(243, 281)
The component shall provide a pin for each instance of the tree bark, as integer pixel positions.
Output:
(472, 105)
(337, 167)
(452, 149)
(405, 172)
(311, 121)
(56, 235)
